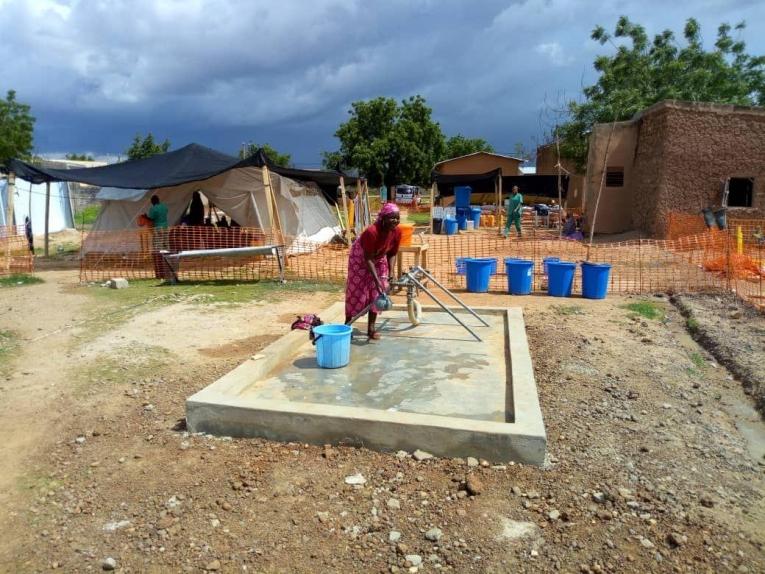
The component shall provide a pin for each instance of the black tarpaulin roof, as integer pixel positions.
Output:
(536, 185)
(464, 179)
(190, 163)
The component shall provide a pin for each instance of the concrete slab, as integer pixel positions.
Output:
(432, 387)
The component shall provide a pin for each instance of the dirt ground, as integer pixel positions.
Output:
(655, 452)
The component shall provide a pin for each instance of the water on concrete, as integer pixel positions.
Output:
(436, 368)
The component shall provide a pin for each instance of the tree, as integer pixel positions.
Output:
(282, 159)
(79, 157)
(146, 147)
(16, 129)
(641, 73)
(389, 142)
(459, 145)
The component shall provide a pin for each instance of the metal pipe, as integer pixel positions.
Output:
(444, 307)
(452, 295)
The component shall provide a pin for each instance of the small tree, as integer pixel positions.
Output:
(146, 147)
(282, 159)
(642, 73)
(16, 129)
(459, 145)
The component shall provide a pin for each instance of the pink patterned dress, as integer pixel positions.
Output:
(377, 244)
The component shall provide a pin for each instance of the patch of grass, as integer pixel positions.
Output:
(123, 365)
(418, 218)
(646, 309)
(19, 279)
(698, 360)
(7, 342)
(87, 215)
(568, 310)
(58, 250)
(691, 324)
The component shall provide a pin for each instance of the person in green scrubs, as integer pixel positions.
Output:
(158, 215)
(515, 205)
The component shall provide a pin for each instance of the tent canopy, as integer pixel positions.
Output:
(190, 163)
(483, 183)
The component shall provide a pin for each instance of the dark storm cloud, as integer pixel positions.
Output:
(97, 72)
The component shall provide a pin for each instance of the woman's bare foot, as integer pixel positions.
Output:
(373, 335)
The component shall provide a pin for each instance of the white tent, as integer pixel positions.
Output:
(29, 201)
(240, 192)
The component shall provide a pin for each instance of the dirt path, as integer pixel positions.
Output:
(649, 469)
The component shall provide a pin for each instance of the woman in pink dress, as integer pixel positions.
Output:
(369, 265)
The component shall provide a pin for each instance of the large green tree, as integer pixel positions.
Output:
(459, 145)
(282, 159)
(146, 147)
(16, 129)
(390, 142)
(642, 72)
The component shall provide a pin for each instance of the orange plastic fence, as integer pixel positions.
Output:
(706, 261)
(15, 256)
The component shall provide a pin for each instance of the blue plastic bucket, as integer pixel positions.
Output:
(450, 226)
(462, 222)
(462, 196)
(475, 214)
(519, 275)
(595, 280)
(546, 260)
(560, 278)
(437, 225)
(333, 345)
(459, 263)
(478, 272)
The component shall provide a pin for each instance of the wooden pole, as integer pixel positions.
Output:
(345, 210)
(9, 218)
(275, 222)
(47, 215)
(600, 189)
(560, 193)
(432, 204)
(499, 206)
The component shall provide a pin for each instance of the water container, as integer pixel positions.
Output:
(450, 226)
(333, 345)
(560, 278)
(475, 213)
(709, 217)
(595, 280)
(470, 225)
(407, 230)
(478, 272)
(462, 196)
(720, 218)
(519, 275)
(460, 264)
(437, 224)
(462, 222)
(546, 260)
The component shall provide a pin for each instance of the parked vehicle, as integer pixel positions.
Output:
(408, 194)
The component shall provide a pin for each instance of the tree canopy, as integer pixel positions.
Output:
(388, 141)
(459, 145)
(16, 129)
(79, 157)
(146, 147)
(282, 159)
(641, 73)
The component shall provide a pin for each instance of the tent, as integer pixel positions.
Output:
(236, 186)
(29, 201)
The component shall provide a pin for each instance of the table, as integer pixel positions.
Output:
(420, 252)
(173, 259)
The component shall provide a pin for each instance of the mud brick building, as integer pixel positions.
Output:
(676, 157)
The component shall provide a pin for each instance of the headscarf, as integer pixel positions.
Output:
(386, 210)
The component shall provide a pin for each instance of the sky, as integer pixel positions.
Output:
(220, 73)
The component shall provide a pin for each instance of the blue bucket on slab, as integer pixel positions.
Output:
(560, 278)
(478, 274)
(333, 345)
(595, 280)
(519, 275)
(449, 226)
(546, 260)
(475, 214)
(462, 196)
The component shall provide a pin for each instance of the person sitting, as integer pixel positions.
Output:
(196, 216)
(570, 230)
(223, 222)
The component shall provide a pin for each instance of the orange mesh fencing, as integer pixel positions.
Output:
(705, 261)
(15, 256)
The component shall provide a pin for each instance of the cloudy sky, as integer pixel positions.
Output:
(222, 72)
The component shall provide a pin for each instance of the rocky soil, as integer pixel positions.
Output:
(648, 470)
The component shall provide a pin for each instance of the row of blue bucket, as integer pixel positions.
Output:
(450, 226)
(520, 272)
